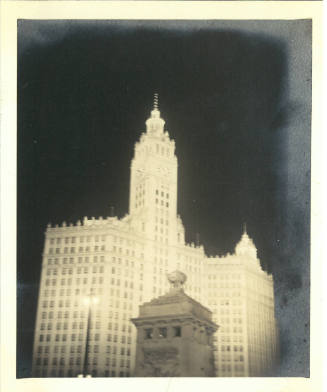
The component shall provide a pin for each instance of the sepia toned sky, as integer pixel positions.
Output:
(236, 98)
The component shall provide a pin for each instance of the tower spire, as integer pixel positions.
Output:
(155, 101)
(244, 228)
(155, 124)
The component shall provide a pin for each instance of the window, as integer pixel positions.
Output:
(162, 332)
(148, 333)
(177, 331)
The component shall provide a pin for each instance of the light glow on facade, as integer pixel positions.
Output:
(124, 262)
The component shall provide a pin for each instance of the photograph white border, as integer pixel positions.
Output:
(11, 11)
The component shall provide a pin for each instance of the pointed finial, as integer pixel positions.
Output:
(155, 101)
(244, 227)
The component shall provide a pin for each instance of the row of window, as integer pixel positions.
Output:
(68, 303)
(61, 314)
(234, 302)
(229, 320)
(158, 291)
(69, 282)
(78, 361)
(189, 259)
(228, 338)
(231, 348)
(162, 203)
(73, 240)
(139, 194)
(161, 239)
(162, 332)
(228, 368)
(124, 351)
(71, 260)
(225, 276)
(228, 358)
(70, 271)
(161, 221)
(81, 249)
(161, 230)
(225, 285)
(234, 330)
(160, 261)
(127, 251)
(163, 150)
(223, 294)
(162, 194)
(128, 242)
(73, 373)
(74, 325)
(73, 338)
(77, 291)
(82, 313)
(79, 349)
(161, 211)
(119, 261)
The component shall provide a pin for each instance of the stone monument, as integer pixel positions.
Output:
(174, 335)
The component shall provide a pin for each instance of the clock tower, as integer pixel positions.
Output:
(153, 184)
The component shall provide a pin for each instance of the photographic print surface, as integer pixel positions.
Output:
(146, 147)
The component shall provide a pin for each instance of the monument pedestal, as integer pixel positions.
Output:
(174, 335)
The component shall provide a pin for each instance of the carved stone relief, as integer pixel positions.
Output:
(161, 362)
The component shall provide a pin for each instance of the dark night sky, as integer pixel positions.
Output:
(236, 97)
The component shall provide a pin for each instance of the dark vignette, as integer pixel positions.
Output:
(236, 97)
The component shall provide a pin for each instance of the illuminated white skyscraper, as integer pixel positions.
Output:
(123, 263)
(241, 296)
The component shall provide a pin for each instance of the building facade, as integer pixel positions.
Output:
(124, 262)
(241, 296)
